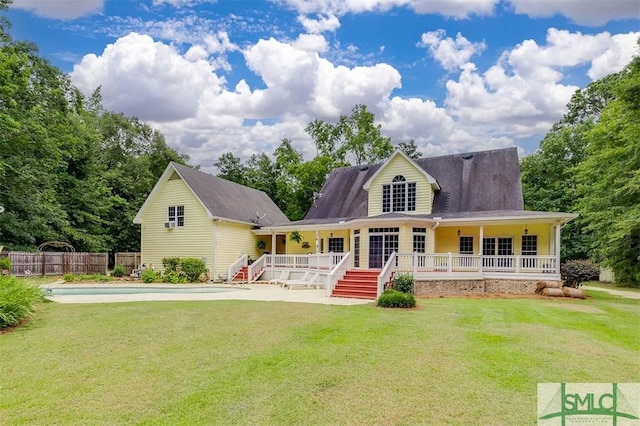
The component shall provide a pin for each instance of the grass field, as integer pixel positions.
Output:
(453, 360)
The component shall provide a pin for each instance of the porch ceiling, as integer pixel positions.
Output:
(507, 217)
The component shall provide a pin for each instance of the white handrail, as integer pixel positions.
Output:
(237, 266)
(256, 267)
(453, 263)
(338, 272)
(387, 271)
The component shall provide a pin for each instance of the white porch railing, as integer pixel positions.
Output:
(386, 273)
(326, 261)
(237, 266)
(256, 268)
(338, 272)
(440, 262)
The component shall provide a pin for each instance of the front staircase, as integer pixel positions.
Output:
(241, 276)
(359, 284)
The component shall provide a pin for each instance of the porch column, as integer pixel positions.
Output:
(317, 241)
(558, 228)
(481, 246)
(273, 252)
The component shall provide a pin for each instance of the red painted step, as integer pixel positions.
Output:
(241, 276)
(357, 283)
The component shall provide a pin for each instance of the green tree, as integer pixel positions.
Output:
(548, 176)
(609, 179)
(231, 168)
(354, 137)
(410, 148)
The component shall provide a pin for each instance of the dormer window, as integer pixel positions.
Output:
(399, 196)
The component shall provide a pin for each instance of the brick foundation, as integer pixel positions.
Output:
(482, 286)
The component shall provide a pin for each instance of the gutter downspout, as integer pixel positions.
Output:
(215, 245)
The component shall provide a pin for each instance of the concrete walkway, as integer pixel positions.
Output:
(621, 293)
(260, 292)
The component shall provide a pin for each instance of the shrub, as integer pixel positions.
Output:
(17, 300)
(403, 283)
(171, 264)
(192, 268)
(5, 265)
(396, 299)
(118, 271)
(149, 275)
(575, 272)
(174, 277)
(68, 278)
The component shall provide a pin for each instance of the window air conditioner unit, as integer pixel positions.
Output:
(169, 224)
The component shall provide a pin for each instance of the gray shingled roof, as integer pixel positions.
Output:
(471, 182)
(229, 200)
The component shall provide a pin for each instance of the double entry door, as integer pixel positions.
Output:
(502, 246)
(382, 242)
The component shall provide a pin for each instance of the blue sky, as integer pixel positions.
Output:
(239, 76)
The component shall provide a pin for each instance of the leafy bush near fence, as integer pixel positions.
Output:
(403, 283)
(396, 299)
(118, 271)
(17, 300)
(575, 272)
(5, 265)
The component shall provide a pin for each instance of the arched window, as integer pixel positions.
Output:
(399, 196)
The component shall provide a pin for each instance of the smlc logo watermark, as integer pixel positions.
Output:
(616, 404)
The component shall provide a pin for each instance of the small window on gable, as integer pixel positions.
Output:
(176, 214)
(399, 196)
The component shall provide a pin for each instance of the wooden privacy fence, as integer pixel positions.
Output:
(129, 261)
(55, 263)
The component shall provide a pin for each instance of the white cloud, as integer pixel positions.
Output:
(322, 24)
(450, 8)
(70, 9)
(616, 56)
(584, 12)
(311, 43)
(523, 94)
(145, 78)
(450, 53)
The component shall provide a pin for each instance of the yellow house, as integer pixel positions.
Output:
(194, 214)
(456, 222)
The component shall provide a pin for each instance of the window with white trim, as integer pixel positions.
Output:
(466, 245)
(336, 245)
(419, 240)
(529, 245)
(176, 214)
(399, 196)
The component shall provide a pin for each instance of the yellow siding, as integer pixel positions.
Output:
(400, 166)
(195, 239)
(323, 242)
(233, 240)
(447, 237)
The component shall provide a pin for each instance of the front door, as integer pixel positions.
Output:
(381, 244)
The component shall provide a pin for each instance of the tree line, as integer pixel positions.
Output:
(589, 163)
(69, 170)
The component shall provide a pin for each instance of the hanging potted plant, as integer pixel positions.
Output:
(295, 236)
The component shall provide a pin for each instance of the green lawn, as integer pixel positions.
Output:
(454, 360)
